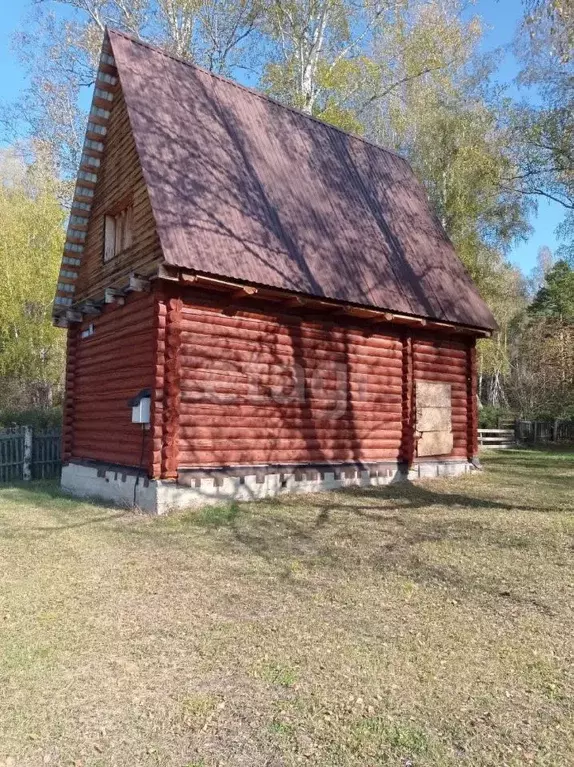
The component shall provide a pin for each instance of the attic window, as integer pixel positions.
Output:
(117, 232)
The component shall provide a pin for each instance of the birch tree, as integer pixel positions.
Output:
(31, 242)
(543, 129)
(60, 44)
(339, 57)
(309, 34)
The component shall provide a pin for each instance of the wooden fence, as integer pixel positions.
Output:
(544, 431)
(26, 453)
(496, 438)
(527, 433)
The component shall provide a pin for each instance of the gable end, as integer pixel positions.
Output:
(109, 187)
(90, 162)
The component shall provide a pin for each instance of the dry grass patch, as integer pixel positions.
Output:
(421, 625)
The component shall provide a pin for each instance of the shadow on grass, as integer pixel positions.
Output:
(64, 511)
(543, 458)
(388, 530)
(342, 541)
(551, 467)
(45, 492)
(385, 529)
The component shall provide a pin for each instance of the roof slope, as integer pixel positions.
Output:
(243, 187)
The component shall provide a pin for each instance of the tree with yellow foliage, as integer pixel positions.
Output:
(31, 242)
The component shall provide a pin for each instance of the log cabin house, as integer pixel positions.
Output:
(255, 301)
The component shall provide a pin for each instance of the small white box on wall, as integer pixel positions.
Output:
(140, 405)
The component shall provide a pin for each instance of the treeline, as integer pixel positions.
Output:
(527, 369)
(408, 74)
(31, 243)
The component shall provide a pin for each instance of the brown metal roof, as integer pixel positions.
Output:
(245, 188)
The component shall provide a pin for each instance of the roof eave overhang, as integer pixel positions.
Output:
(239, 290)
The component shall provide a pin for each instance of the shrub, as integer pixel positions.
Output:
(41, 418)
(490, 416)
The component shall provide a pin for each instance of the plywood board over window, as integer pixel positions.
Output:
(433, 418)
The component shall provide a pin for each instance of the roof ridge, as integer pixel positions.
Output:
(253, 91)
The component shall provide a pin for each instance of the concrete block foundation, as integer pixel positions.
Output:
(127, 487)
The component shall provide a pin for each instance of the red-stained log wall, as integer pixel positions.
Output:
(253, 388)
(104, 370)
(157, 413)
(68, 410)
(256, 389)
(447, 361)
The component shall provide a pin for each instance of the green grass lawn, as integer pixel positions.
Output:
(427, 624)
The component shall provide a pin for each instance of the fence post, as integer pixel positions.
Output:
(27, 464)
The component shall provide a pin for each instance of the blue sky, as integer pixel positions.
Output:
(501, 18)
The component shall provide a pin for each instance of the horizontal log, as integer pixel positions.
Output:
(232, 348)
(143, 373)
(121, 423)
(282, 338)
(235, 458)
(137, 308)
(118, 356)
(100, 439)
(423, 362)
(128, 362)
(309, 442)
(116, 391)
(116, 349)
(311, 431)
(347, 420)
(103, 390)
(264, 322)
(285, 383)
(284, 334)
(310, 400)
(432, 354)
(452, 366)
(209, 359)
(106, 455)
(116, 396)
(113, 413)
(114, 400)
(190, 402)
(112, 342)
(116, 452)
(291, 443)
(420, 344)
(206, 380)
